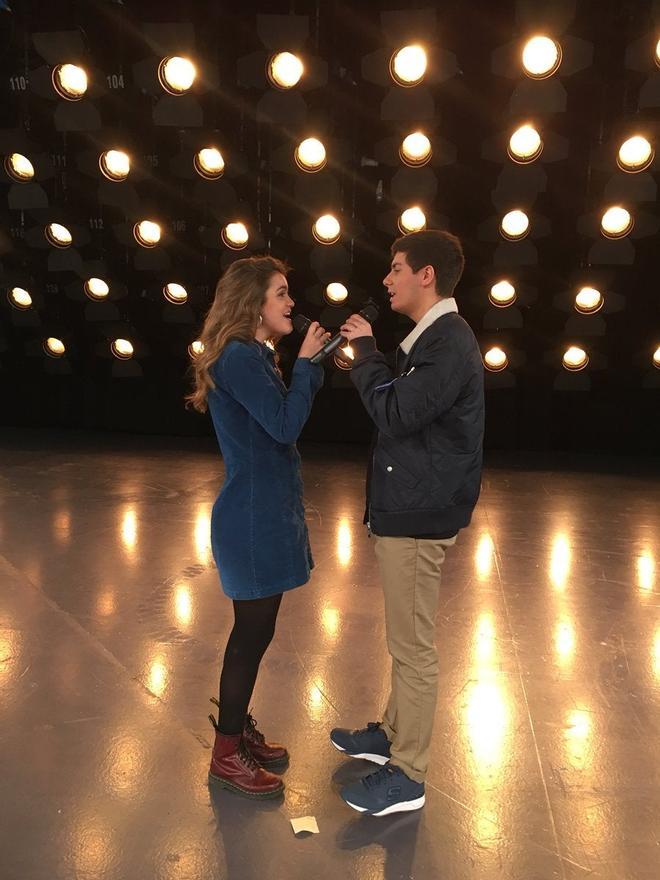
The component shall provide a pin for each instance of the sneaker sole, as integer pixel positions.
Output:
(259, 796)
(366, 756)
(403, 807)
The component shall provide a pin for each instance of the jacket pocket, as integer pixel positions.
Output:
(391, 468)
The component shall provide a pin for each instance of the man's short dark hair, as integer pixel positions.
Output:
(437, 248)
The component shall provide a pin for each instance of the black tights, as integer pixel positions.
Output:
(254, 627)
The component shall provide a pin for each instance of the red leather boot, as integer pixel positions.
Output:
(233, 767)
(268, 754)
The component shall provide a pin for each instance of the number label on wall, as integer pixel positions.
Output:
(96, 223)
(115, 80)
(18, 83)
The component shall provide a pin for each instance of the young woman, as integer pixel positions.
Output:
(258, 531)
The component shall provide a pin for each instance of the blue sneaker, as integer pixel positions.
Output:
(371, 744)
(386, 791)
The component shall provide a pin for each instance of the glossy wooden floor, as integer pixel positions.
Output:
(546, 757)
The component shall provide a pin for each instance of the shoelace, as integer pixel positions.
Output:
(251, 724)
(374, 779)
(371, 727)
(246, 757)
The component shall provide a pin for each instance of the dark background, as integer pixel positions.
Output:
(535, 404)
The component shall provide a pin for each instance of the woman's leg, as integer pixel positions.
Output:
(254, 627)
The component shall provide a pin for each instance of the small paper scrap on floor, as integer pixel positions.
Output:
(306, 823)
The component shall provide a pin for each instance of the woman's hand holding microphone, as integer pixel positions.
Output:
(315, 338)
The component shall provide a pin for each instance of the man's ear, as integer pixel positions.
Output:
(428, 276)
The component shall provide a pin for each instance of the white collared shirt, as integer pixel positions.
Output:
(443, 307)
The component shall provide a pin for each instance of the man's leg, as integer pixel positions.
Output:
(410, 571)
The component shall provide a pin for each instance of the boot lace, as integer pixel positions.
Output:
(251, 729)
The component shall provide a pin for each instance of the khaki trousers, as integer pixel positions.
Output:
(410, 575)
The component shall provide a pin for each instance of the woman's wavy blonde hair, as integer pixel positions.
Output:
(234, 314)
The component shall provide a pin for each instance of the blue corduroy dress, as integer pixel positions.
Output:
(258, 531)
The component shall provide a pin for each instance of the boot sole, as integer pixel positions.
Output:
(253, 795)
(365, 756)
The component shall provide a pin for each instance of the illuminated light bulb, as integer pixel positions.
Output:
(541, 57)
(589, 300)
(326, 230)
(502, 294)
(656, 357)
(496, 359)
(412, 220)
(20, 298)
(635, 154)
(209, 163)
(115, 164)
(408, 65)
(310, 155)
(616, 222)
(54, 347)
(176, 74)
(19, 167)
(96, 288)
(175, 293)
(336, 293)
(235, 235)
(525, 144)
(196, 348)
(122, 349)
(58, 235)
(285, 70)
(515, 225)
(147, 233)
(415, 149)
(575, 358)
(70, 81)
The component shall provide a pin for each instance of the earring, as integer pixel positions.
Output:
(261, 320)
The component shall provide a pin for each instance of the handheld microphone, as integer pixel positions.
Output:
(301, 324)
(369, 312)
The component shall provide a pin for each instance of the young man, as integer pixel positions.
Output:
(422, 485)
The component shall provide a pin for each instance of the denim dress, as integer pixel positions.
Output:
(258, 532)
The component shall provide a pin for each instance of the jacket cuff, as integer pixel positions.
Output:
(363, 346)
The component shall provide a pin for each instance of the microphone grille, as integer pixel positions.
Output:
(301, 323)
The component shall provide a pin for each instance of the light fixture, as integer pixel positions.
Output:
(235, 235)
(209, 163)
(196, 348)
(19, 298)
(285, 70)
(589, 301)
(70, 81)
(575, 359)
(122, 349)
(54, 347)
(656, 357)
(635, 154)
(344, 357)
(175, 293)
(19, 167)
(656, 56)
(408, 65)
(96, 288)
(616, 222)
(336, 293)
(412, 220)
(541, 57)
(114, 164)
(415, 149)
(147, 233)
(176, 74)
(495, 359)
(326, 230)
(58, 235)
(502, 294)
(525, 144)
(514, 225)
(310, 155)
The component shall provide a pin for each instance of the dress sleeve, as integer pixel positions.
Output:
(242, 372)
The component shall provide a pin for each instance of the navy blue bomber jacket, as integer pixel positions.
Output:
(424, 475)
